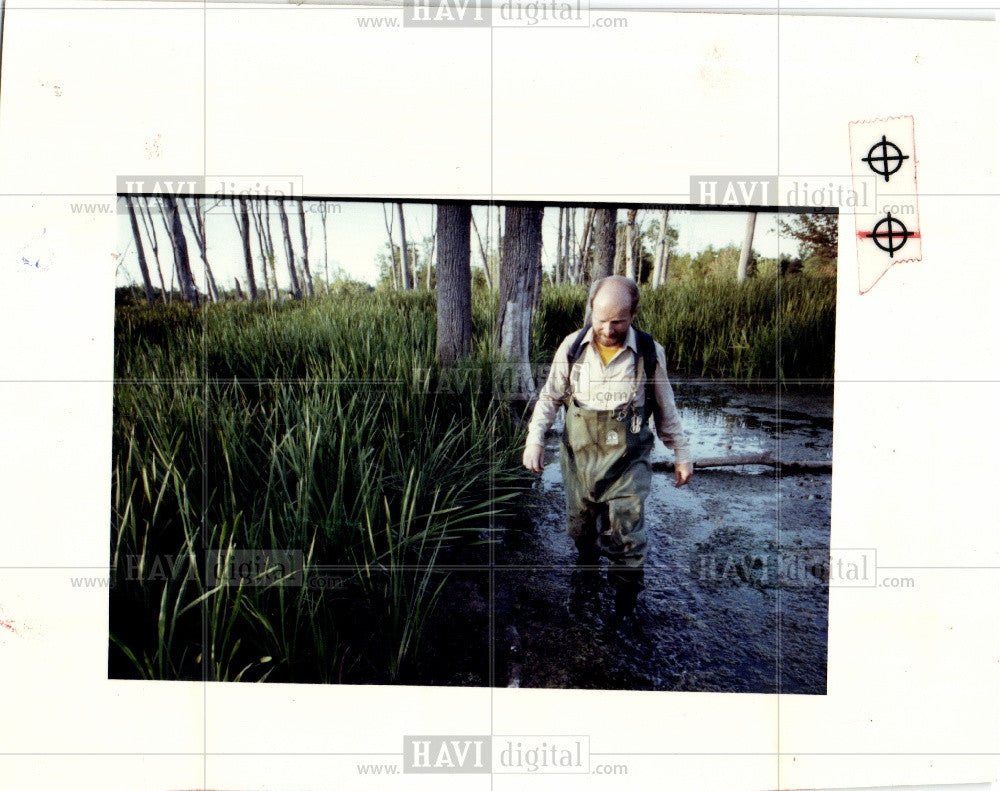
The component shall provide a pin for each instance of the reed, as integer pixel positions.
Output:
(326, 427)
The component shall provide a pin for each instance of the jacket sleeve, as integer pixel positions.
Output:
(552, 394)
(668, 422)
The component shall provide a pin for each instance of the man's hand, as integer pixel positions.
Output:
(682, 473)
(534, 456)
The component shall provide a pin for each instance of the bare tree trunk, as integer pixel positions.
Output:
(150, 227)
(660, 258)
(499, 244)
(182, 262)
(430, 255)
(407, 272)
(272, 256)
(256, 214)
(305, 248)
(584, 245)
(289, 250)
(482, 253)
(557, 277)
(323, 210)
(619, 268)
(631, 258)
(604, 244)
(522, 249)
(747, 249)
(387, 218)
(454, 283)
(261, 213)
(239, 291)
(243, 225)
(571, 246)
(198, 230)
(146, 282)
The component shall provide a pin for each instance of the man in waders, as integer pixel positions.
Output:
(611, 378)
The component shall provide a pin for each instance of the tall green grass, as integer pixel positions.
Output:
(327, 427)
(319, 428)
(763, 328)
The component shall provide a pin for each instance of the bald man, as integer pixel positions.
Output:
(599, 374)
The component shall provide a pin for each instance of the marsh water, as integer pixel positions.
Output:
(736, 594)
(736, 572)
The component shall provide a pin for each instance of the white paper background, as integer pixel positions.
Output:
(93, 91)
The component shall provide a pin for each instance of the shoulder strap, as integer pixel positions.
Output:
(647, 348)
(574, 351)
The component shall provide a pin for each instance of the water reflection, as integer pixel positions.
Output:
(713, 607)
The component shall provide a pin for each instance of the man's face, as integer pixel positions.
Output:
(611, 317)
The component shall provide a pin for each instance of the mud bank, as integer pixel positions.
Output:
(736, 596)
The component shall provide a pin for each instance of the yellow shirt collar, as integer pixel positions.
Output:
(631, 342)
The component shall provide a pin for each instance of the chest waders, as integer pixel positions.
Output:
(606, 476)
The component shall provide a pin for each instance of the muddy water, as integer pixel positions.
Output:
(735, 599)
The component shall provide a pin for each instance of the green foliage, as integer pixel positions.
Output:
(720, 328)
(560, 311)
(816, 235)
(324, 426)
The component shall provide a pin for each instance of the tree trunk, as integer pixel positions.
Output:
(305, 248)
(387, 218)
(631, 257)
(499, 244)
(182, 261)
(604, 244)
(522, 250)
(581, 262)
(323, 210)
(571, 248)
(243, 224)
(660, 259)
(150, 227)
(146, 282)
(747, 250)
(482, 253)
(620, 252)
(454, 282)
(272, 256)
(289, 251)
(239, 291)
(261, 213)
(430, 255)
(407, 272)
(557, 276)
(257, 215)
(198, 229)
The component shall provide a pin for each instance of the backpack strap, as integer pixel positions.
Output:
(573, 354)
(575, 349)
(647, 348)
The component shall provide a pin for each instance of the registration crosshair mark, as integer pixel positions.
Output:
(890, 234)
(885, 158)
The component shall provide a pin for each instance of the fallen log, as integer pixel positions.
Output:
(764, 459)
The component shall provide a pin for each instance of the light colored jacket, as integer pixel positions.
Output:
(596, 386)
